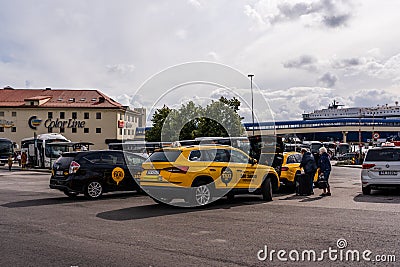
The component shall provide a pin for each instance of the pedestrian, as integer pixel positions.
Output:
(310, 168)
(23, 159)
(325, 168)
(10, 162)
(19, 158)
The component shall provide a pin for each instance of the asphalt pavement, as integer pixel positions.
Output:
(42, 227)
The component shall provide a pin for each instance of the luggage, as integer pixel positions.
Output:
(303, 187)
(321, 182)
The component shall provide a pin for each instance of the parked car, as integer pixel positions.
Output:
(96, 172)
(199, 173)
(380, 169)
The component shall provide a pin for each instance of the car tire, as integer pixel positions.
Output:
(93, 190)
(266, 189)
(71, 194)
(201, 194)
(366, 190)
(230, 196)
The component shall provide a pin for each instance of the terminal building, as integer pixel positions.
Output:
(79, 115)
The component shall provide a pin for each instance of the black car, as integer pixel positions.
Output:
(96, 172)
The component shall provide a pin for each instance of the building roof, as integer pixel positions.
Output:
(57, 98)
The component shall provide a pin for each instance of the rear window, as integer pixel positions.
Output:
(64, 161)
(383, 155)
(164, 156)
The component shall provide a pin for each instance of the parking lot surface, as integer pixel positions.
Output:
(42, 227)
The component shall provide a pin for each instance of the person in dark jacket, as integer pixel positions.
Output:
(324, 165)
(309, 166)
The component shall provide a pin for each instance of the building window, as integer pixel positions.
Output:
(1, 129)
(98, 115)
(1, 113)
(98, 130)
(120, 131)
(73, 130)
(14, 114)
(50, 115)
(86, 115)
(62, 115)
(86, 130)
(74, 115)
(50, 129)
(13, 129)
(62, 130)
(125, 131)
(32, 103)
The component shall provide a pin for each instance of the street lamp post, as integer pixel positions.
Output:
(252, 100)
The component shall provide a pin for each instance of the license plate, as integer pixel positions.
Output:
(391, 173)
(153, 172)
(59, 173)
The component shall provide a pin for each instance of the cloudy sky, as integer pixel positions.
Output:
(303, 53)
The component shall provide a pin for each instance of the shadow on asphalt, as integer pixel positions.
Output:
(66, 200)
(302, 198)
(158, 210)
(390, 196)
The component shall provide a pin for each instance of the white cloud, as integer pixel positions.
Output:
(195, 3)
(120, 68)
(288, 45)
(181, 34)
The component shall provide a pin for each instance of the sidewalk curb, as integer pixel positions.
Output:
(19, 168)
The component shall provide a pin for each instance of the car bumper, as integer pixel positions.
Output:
(66, 184)
(381, 182)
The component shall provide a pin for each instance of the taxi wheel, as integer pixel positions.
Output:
(93, 190)
(266, 189)
(366, 190)
(201, 194)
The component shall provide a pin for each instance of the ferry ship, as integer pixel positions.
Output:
(336, 110)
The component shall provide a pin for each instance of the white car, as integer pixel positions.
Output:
(381, 169)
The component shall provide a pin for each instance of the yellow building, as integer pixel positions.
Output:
(79, 115)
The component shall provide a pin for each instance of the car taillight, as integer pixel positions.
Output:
(368, 166)
(178, 169)
(73, 167)
(284, 168)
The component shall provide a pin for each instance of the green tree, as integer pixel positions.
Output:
(219, 118)
(159, 116)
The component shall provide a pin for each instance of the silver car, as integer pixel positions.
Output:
(381, 169)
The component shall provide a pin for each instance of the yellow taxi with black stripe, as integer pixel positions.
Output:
(198, 174)
(96, 172)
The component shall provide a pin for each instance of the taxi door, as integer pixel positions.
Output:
(244, 172)
(116, 172)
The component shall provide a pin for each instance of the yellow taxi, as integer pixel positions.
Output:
(291, 168)
(200, 173)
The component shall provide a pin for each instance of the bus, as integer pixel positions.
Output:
(39, 153)
(6, 149)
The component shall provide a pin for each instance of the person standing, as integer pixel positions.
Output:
(24, 158)
(19, 158)
(310, 168)
(325, 168)
(10, 162)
